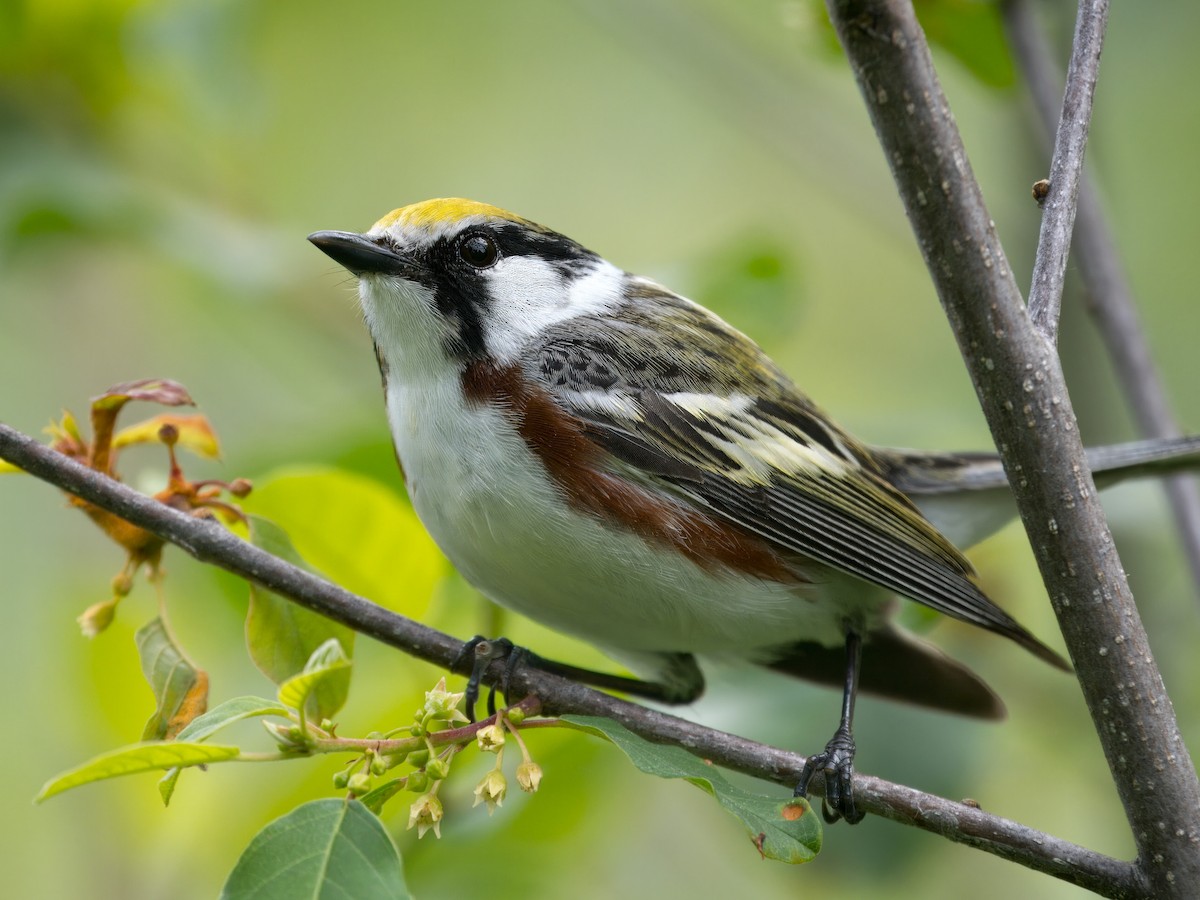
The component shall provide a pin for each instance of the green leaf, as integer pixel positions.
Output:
(327, 662)
(202, 727)
(787, 830)
(180, 689)
(166, 785)
(381, 794)
(282, 636)
(359, 532)
(137, 758)
(973, 33)
(324, 850)
(228, 712)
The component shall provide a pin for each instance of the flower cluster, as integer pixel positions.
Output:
(430, 746)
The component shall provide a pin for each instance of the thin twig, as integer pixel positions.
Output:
(1066, 167)
(208, 542)
(1109, 298)
(1024, 397)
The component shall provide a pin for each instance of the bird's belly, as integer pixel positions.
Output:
(487, 502)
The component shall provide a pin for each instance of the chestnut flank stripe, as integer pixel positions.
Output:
(576, 464)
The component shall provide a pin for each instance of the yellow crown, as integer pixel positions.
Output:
(429, 214)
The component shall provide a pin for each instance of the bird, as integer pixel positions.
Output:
(615, 461)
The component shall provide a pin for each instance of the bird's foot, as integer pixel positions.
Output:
(836, 763)
(481, 652)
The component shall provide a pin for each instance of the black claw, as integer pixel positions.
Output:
(517, 657)
(482, 653)
(468, 652)
(836, 763)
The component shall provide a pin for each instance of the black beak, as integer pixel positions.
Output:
(360, 254)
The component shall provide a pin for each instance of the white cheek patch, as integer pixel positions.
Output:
(598, 290)
(527, 295)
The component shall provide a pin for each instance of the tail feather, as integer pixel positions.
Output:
(1143, 458)
(898, 666)
(918, 473)
(966, 495)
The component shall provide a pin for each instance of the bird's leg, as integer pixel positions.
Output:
(836, 761)
(482, 652)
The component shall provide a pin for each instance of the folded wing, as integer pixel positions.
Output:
(711, 420)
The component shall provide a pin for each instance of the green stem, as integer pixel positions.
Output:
(433, 740)
(263, 757)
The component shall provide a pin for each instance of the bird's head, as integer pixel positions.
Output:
(447, 282)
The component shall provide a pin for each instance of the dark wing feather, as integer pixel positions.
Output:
(708, 417)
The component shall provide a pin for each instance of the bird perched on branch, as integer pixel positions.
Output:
(618, 463)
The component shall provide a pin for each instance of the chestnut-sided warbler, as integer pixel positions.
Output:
(615, 461)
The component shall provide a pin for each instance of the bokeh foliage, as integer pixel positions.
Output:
(160, 164)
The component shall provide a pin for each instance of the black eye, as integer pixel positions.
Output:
(479, 250)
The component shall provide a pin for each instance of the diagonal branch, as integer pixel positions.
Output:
(1022, 392)
(208, 542)
(1109, 298)
(1066, 168)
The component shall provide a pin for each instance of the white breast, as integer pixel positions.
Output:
(486, 501)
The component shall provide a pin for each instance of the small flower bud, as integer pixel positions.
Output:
(437, 769)
(490, 739)
(491, 790)
(529, 776)
(289, 737)
(240, 487)
(418, 782)
(418, 758)
(359, 783)
(379, 765)
(516, 715)
(97, 617)
(341, 779)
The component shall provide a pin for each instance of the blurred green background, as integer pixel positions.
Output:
(160, 166)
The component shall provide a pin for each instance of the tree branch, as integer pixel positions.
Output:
(1109, 298)
(1066, 167)
(1020, 385)
(208, 542)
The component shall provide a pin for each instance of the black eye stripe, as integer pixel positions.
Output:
(456, 269)
(566, 256)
